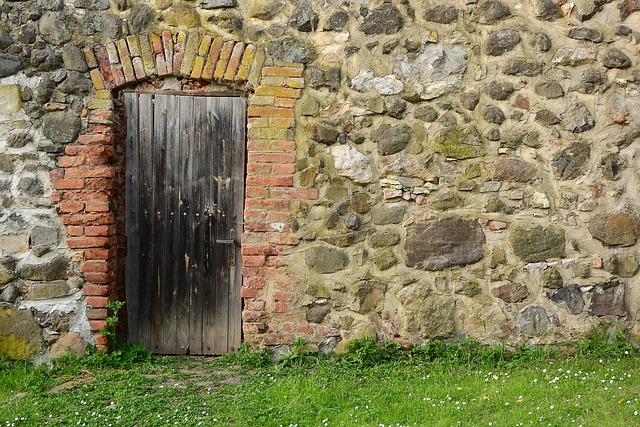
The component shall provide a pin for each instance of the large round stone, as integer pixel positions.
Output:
(391, 139)
(20, 335)
(459, 143)
(537, 244)
(613, 229)
(384, 20)
(61, 127)
(292, 50)
(436, 245)
(326, 260)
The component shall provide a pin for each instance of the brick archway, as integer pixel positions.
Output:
(88, 175)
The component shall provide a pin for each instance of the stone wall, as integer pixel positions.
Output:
(442, 169)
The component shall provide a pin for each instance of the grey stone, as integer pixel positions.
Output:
(384, 239)
(10, 294)
(583, 33)
(578, 119)
(336, 21)
(447, 200)
(550, 89)
(623, 31)
(623, 265)
(592, 81)
(27, 33)
(6, 163)
(47, 236)
(571, 298)
(500, 91)
(5, 40)
(426, 315)
(551, 278)
(53, 30)
(325, 134)
(541, 42)
(7, 269)
(218, 4)
(511, 292)
(396, 108)
(522, 67)
(304, 18)
(54, 268)
(569, 162)
(76, 83)
(10, 64)
(352, 221)
(384, 259)
(469, 100)
(470, 288)
(20, 335)
(46, 59)
(612, 165)
(512, 168)
(31, 186)
(608, 299)
(74, 59)
(292, 50)
(264, 9)
(534, 321)
(48, 290)
(351, 163)
(437, 70)
(493, 114)
(388, 85)
(501, 42)
(142, 16)
(93, 4)
(535, 244)
(574, 55)
(613, 229)
(359, 202)
(459, 143)
(549, 10)
(388, 215)
(369, 295)
(326, 260)
(441, 14)
(61, 127)
(391, 139)
(440, 244)
(582, 270)
(492, 11)
(426, 113)
(316, 314)
(105, 24)
(547, 118)
(615, 58)
(386, 19)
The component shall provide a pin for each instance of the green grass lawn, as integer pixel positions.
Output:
(369, 388)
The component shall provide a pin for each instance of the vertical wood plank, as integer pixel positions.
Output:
(172, 252)
(132, 262)
(237, 162)
(159, 237)
(183, 295)
(211, 190)
(145, 123)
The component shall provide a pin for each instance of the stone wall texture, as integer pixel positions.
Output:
(415, 170)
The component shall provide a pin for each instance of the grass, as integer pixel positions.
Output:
(460, 384)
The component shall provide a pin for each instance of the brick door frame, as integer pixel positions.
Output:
(91, 172)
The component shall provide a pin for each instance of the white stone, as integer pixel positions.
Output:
(351, 163)
(388, 85)
(540, 200)
(10, 98)
(363, 81)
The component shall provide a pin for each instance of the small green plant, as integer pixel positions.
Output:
(109, 329)
(249, 356)
(301, 355)
(606, 341)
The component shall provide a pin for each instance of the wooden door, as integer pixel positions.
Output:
(184, 200)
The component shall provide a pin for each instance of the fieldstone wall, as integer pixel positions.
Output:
(416, 170)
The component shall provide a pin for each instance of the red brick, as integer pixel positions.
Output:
(97, 313)
(267, 203)
(284, 145)
(258, 168)
(283, 71)
(255, 215)
(254, 305)
(304, 329)
(100, 183)
(281, 158)
(96, 301)
(278, 216)
(281, 307)
(99, 161)
(277, 91)
(294, 193)
(89, 151)
(97, 325)
(75, 230)
(91, 289)
(253, 261)
(118, 76)
(254, 282)
(89, 219)
(100, 128)
(102, 172)
(271, 180)
(212, 59)
(67, 184)
(276, 261)
(101, 342)
(71, 161)
(259, 145)
(71, 207)
(249, 293)
(284, 102)
(87, 195)
(284, 169)
(256, 192)
(261, 250)
(56, 196)
(269, 112)
(96, 267)
(91, 139)
(97, 207)
(283, 239)
(99, 230)
(223, 60)
(167, 44)
(282, 123)
(100, 278)
(87, 242)
(266, 226)
(234, 62)
(99, 254)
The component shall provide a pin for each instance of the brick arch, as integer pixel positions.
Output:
(90, 173)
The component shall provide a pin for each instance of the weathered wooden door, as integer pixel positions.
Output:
(184, 199)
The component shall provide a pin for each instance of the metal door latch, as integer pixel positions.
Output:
(232, 246)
